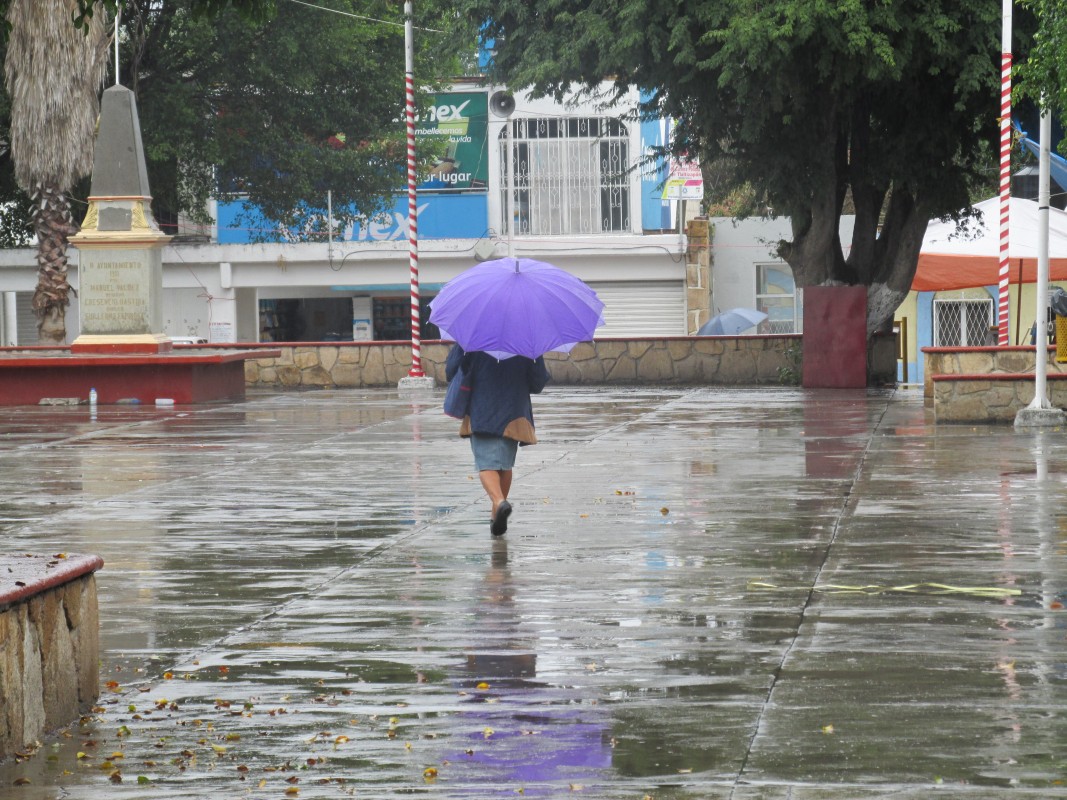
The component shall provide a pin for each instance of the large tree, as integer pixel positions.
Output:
(278, 109)
(888, 105)
(53, 73)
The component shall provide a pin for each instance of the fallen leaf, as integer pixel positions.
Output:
(112, 685)
(143, 780)
(340, 740)
(115, 777)
(665, 511)
(429, 773)
(827, 729)
(224, 670)
(21, 782)
(488, 732)
(168, 675)
(292, 791)
(483, 685)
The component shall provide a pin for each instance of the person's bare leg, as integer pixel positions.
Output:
(491, 482)
(505, 482)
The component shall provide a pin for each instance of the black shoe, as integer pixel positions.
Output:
(499, 525)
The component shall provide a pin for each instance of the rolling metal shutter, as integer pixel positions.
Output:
(642, 308)
(27, 320)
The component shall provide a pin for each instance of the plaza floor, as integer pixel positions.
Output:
(756, 594)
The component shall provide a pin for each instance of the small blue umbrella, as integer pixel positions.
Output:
(516, 306)
(732, 322)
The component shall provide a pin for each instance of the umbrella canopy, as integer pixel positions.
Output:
(962, 260)
(732, 322)
(516, 306)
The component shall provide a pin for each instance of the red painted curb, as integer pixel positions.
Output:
(999, 376)
(30, 574)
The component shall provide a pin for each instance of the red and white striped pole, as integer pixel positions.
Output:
(1003, 293)
(413, 225)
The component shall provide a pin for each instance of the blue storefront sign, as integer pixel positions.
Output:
(440, 216)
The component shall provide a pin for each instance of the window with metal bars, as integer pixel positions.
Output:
(570, 175)
(962, 323)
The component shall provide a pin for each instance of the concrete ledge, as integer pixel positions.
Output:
(49, 644)
(981, 361)
(991, 397)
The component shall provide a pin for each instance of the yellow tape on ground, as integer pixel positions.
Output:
(911, 588)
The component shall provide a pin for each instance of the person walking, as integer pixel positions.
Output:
(500, 419)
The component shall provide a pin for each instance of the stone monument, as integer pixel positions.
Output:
(122, 354)
(120, 273)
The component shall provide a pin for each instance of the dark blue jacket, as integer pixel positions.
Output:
(500, 393)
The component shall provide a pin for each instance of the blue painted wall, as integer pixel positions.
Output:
(655, 212)
(440, 216)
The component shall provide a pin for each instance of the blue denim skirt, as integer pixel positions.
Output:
(493, 452)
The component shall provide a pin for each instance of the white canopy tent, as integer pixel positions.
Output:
(960, 259)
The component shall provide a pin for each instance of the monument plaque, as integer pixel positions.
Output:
(115, 291)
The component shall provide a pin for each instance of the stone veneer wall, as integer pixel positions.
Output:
(994, 399)
(981, 361)
(730, 361)
(49, 648)
(698, 274)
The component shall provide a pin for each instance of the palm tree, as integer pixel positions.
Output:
(54, 72)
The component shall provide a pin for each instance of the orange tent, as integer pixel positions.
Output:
(953, 258)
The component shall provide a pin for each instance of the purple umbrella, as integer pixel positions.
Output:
(516, 306)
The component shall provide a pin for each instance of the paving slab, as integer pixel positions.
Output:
(755, 594)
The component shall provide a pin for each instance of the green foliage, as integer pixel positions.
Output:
(792, 371)
(279, 109)
(252, 9)
(1044, 75)
(15, 228)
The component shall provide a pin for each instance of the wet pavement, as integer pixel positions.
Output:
(705, 593)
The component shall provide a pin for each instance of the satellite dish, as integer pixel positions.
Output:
(502, 103)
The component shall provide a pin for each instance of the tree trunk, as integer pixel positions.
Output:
(53, 224)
